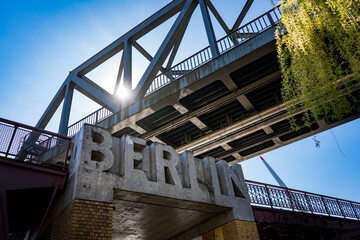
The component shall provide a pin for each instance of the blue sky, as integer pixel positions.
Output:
(41, 41)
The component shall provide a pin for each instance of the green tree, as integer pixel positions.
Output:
(318, 44)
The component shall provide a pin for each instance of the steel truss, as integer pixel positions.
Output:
(167, 50)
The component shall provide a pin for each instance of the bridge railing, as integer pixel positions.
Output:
(92, 118)
(224, 44)
(28, 144)
(266, 195)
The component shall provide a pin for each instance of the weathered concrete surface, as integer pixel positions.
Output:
(131, 220)
(157, 193)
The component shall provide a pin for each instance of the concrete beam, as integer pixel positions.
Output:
(246, 103)
(279, 143)
(197, 122)
(223, 135)
(209, 107)
(226, 146)
(229, 83)
(268, 130)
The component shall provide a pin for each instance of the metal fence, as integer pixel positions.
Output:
(25, 143)
(294, 200)
(93, 118)
(226, 43)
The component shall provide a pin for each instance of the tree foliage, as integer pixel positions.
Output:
(318, 44)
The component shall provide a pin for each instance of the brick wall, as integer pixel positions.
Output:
(234, 230)
(208, 236)
(84, 219)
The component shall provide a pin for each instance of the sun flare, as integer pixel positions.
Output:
(123, 93)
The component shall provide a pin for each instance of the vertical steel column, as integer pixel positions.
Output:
(127, 81)
(65, 114)
(209, 29)
(120, 72)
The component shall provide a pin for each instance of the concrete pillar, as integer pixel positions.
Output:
(84, 219)
(234, 230)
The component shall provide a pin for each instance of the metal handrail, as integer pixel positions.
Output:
(28, 144)
(92, 118)
(233, 39)
(296, 200)
(237, 37)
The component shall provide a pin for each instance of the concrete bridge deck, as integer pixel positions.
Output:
(230, 107)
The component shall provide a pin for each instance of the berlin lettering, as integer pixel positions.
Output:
(141, 167)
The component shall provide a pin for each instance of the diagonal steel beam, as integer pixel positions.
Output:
(53, 106)
(137, 32)
(218, 17)
(175, 49)
(164, 50)
(242, 15)
(145, 53)
(96, 93)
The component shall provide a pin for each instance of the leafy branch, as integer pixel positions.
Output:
(319, 48)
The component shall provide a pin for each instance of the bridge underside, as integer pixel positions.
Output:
(282, 224)
(26, 192)
(230, 108)
(143, 216)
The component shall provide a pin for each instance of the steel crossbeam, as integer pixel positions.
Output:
(167, 50)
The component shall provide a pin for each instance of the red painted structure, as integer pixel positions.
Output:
(283, 213)
(33, 169)
(30, 178)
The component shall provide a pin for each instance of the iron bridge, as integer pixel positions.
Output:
(224, 101)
